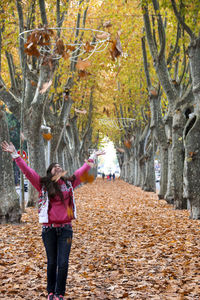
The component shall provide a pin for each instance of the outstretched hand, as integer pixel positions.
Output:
(8, 147)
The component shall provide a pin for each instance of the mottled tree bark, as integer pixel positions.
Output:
(10, 211)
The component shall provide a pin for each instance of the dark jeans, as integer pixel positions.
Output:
(57, 242)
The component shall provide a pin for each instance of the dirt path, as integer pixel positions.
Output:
(127, 245)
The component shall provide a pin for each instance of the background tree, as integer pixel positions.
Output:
(9, 199)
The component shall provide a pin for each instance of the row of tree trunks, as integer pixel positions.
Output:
(137, 163)
(177, 134)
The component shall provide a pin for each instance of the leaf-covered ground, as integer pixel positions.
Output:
(127, 245)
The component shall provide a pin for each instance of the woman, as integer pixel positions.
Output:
(56, 208)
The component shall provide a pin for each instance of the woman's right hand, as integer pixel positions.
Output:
(8, 147)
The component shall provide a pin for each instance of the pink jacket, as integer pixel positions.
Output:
(58, 212)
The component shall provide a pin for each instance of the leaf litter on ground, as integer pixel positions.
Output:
(127, 244)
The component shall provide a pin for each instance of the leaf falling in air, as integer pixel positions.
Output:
(127, 143)
(82, 65)
(45, 87)
(31, 50)
(153, 92)
(60, 47)
(38, 37)
(66, 55)
(116, 49)
(71, 48)
(87, 178)
(107, 24)
(80, 111)
(33, 83)
(88, 47)
(120, 150)
(106, 111)
(192, 153)
(70, 212)
(83, 73)
(47, 136)
(103, 36)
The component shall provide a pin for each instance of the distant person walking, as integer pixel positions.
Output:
(56, 211)
(113, 176)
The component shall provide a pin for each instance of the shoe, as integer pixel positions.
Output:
(59, 297)
(51, 296)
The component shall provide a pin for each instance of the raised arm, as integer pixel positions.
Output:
(86, 167)
(30, 174)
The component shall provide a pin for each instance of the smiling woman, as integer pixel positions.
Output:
(57, 209)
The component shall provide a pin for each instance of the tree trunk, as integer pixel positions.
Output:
(169, 195)
(10, 211)
(36, 149)
(132, 170)
(35, 102)
(192, 136)
(178, 159)
(37, 162)
(191, 166)
(120, 158)
(149, 183)
(158, 129)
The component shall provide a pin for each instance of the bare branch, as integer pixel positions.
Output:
(150, 38)
(12, 72)
(59, 18)
(180, 19)
(171, 55)
(31, 15)
(89, 119)
(161, 30)
(21, 29)
(13, 105)
(43, 12)
(146, 69)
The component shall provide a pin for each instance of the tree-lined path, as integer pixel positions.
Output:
(127, 245)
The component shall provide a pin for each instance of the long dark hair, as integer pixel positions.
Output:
(52, 187)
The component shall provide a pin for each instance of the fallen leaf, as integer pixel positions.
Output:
(128, 244)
